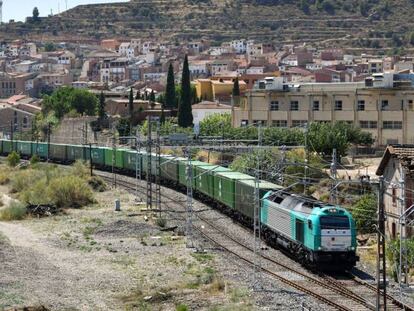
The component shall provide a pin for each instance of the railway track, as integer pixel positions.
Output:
(348, 294)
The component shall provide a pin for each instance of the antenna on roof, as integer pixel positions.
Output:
(66, 2)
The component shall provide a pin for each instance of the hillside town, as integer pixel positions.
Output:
(304, 83)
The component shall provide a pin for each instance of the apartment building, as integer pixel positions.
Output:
(380, 105)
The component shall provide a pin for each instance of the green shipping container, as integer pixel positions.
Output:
(7, 146)
(76, 152)
(169, 168)
(225, 187)
(41, 149)
(119, 157)
(182, 170)
(58, 152)
(245, 196)
(97, 153)
(24, 148)
(204, 178)
(1, 146)
(131, 159)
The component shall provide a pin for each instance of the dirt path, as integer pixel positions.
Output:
(36, 272)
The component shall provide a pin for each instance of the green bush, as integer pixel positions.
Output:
(161, 222)
(70, 191)
(364, 212)
(16, 211)
(24, 179)
(13, 159)
(34, 159)
(182, 307)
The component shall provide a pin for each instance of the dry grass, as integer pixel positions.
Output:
(15, 211)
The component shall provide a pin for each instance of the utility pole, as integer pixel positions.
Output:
(158, 169)
(189, 220)
(381, 303)
(257, 269)
(403, 264)
(113, 155)
(149, 164)
(48, 141)
(11, 135)
(334, 193)
(305, 179)
(138, 168)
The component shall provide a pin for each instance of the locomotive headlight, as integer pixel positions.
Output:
(332, 210)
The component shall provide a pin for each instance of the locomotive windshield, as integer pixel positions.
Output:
(334, 222)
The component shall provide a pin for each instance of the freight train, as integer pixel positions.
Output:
(317, 234)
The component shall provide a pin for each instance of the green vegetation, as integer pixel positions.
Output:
(13, 159)
(67, 100)
(364, 212)
(16, 211)
(34, 159)
(393, 255)
(35, 14)
(50, 186)
(182, 307)
(170, 96)
(185, 116)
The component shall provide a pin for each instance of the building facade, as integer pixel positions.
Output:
(386, 112)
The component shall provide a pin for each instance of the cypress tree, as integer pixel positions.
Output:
(170, 96)
(162, 117)
(101, 107)
(185, 115)
(138, 96)
(152, 96)
(236, 87)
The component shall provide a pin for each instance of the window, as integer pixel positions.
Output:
(338, 105)
(334, 222)
(361, 105)
(315, 105)
(392, 125)
(394, 196)
(410, 104)
(274, 106)
(385, 105)
(299, 123)
(294, 105)
(244, 123)
(368, 124)
(259, 123)
(25, 121)
(279, 123)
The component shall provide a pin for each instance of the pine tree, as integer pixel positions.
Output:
(185, 115)
(236, 87)
(36, 14)
(170, 95)
(101, 107)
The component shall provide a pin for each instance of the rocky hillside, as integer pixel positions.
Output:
(350, 23)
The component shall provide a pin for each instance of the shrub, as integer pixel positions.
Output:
(34, 159)
(16, 211)
(97, 184)
(161, 222)
(182, 307)
(70, 191)
(24, 179)
(4, 176)
(364, 213)
(13, 159)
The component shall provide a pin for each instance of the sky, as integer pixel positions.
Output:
(20, 9)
